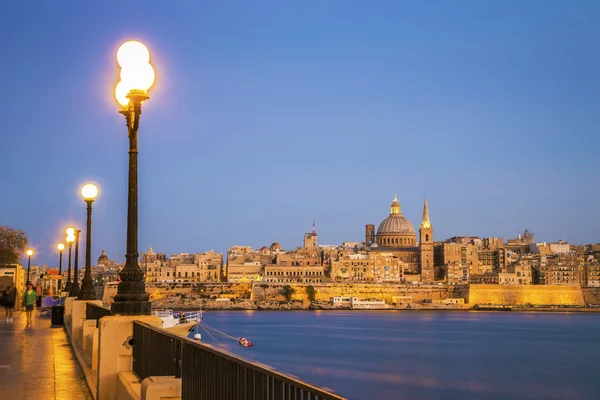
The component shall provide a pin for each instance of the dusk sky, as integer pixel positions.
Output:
(268, 114)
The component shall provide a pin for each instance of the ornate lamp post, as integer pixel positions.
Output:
(70, 239)
(29, 254)
(60, 248)
(137, 76)
(75, 286)
(87, 292)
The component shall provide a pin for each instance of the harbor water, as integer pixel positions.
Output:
(424, 355)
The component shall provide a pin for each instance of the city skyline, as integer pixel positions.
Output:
(266, 117)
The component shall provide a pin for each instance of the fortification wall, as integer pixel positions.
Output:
(160, 291)
(522, 295)
(325, 291)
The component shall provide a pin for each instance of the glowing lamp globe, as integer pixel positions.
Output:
(70, 238)
(70, 232)
(29, 252)
(60, 247)
(89, 192)
(138, 77)
(132, 53)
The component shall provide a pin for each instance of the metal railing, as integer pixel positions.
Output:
(94, 311)
(210, 373)
(156, 352)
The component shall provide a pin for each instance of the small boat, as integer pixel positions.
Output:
(179, 323)
(245, 342)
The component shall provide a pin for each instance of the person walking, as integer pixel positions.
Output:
(9, 302)
(29, 298)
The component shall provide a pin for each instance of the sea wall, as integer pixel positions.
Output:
(523, 295)
(186, 292)
(325, 291)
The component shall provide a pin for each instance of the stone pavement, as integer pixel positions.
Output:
(37, 362)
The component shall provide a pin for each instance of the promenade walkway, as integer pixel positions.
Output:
(37, 362)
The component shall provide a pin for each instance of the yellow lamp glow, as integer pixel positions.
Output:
(121, 92)
(60, 247)
(138, 77)
(29, 252)
(132, 53)
(89, 192)
(70, 232)
(70, 238)
(136, 71)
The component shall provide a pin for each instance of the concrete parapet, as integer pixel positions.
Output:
(128, 386)
(161, 388)
(86, 330)
(568, 295)
(67, 316)
(114, 351)
(78, 316)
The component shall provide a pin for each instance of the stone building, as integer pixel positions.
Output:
(298, 273)
(519, 273)
(368, 267)
(397, 235)
(457, 273)
(564, 269)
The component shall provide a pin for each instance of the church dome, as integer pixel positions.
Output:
(275, 246)
(103, 257)
(396, 224)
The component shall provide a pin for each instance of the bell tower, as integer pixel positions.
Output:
(426, 246)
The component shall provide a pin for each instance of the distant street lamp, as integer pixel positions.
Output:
(29, 254)
(137, 77)
(87, 292)
(60, 248)
(70, 239)
(75, 286)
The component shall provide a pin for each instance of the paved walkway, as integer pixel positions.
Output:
(37, 362)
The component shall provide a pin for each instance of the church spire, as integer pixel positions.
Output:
(425, 223)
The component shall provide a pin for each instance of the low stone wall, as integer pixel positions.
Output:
(591, 296)
(325, 291)
(186, 292)
(523, 295)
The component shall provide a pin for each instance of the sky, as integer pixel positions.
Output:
(267, 115)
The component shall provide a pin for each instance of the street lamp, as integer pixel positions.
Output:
(70, 239)
(89, 192)
(137, 77)
(29, 254)
(75, 286)
(60, 248)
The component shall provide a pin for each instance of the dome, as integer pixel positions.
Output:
(103, 257)
(275, 246)
(374, 245)
(264, 248)
(396, 224)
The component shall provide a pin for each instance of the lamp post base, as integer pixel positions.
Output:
(87, 291)
(130, 308)
(74, 292)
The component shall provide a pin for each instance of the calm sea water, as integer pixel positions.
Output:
(425, 355)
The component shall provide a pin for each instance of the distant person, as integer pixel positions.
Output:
(10, 298)
(29, 298)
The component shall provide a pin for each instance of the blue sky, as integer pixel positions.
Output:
(268, 114)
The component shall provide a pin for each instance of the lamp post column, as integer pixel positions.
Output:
(69, 284)
(75, 286)
(28, 268)
(131, 297)
(59, 271)
(87, 291)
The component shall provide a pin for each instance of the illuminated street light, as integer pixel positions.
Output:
(137, 77)
(89, 192)
(70, 239)
(74, 292)
(29, 254)
(60, 248)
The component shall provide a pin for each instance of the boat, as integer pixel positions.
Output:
(179, 323)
